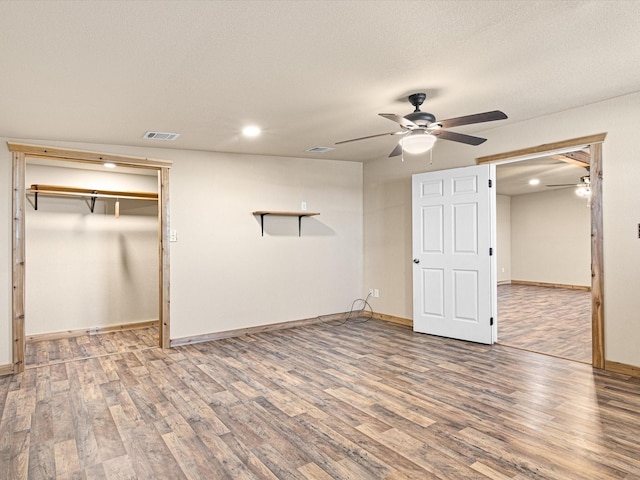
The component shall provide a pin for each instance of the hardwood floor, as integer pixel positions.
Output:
(359, 401)
(553, 321)
(48, 352)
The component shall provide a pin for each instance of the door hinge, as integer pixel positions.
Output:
(491, 321)
(490, 183)
(490, 251)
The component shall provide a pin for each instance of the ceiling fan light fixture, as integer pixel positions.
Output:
(583, 191)
(418, 143)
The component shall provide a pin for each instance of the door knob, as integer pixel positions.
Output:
(416, 260)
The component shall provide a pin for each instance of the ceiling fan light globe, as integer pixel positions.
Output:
(418, 143)
(583, 191)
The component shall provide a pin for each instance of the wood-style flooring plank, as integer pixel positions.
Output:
(553, 321)
(362, 400)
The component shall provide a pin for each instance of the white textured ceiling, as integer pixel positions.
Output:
(310, 73)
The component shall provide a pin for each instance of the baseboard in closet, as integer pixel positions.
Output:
(39, 337)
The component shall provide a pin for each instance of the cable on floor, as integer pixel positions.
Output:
(356, 316)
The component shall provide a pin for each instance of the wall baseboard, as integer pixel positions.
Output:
(39, 337)
(207, 337)
(552, 285)
(623, 368)
(6, 369)
(407, 322)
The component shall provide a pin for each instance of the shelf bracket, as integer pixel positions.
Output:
(262, 222)
(262, 214)
(90, 202)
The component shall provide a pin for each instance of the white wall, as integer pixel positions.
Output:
(551, 238)
(84, 269)
(387, 187)
(503, 240)
(224, 275)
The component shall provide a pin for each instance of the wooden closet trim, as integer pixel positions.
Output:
(594, 142)
(20, 152)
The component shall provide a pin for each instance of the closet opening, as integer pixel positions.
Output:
(90, 253)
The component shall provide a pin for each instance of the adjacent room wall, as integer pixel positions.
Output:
(503, 240)
(90, 270)
(387, 193)
(224, 275)
(551, 238)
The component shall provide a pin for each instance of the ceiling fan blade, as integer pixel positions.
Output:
(458, 137)
(369, 136)
(396, 151)
(398, 119)
(470, 119)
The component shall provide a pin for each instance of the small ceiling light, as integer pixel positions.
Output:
(417, 143)
(109, 165)
(251, 131)
(534, 181)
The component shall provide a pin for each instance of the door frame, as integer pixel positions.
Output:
(20, 152)
(594, 142)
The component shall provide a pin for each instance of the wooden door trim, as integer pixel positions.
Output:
(594, 142)
(545, 148)
(20, 151)
(18, 262)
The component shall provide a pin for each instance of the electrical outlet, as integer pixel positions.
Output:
(303, 206)
(173, 235)
(371, 292)
(376, 292)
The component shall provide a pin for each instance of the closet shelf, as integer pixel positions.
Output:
(262, 214)
(86, 193)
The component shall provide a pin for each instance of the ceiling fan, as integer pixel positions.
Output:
(583, 188)
(420, 129)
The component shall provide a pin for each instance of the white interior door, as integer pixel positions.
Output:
(454, 286)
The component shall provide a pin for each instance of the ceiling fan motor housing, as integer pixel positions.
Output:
(418, 117)
(421, 118)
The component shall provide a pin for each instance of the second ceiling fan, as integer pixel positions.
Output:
(420, 129)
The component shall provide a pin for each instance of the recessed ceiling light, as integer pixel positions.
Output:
(109, 165)
(251, 131)
(534, 181)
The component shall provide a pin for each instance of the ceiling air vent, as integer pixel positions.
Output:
(161, 136)
(319, 149)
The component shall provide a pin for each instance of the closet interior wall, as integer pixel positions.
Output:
(89, 270)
